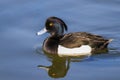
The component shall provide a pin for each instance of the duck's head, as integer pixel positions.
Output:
(55, 26)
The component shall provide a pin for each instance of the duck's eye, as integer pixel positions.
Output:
(51, 24)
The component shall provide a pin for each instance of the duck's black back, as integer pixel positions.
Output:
(77, 39)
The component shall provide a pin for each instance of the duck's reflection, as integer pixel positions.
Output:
(60, 65)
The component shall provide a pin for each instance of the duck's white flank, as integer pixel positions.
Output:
(79, 51)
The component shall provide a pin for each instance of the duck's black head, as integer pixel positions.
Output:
(55, 26)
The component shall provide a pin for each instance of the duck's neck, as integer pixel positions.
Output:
(56, 37)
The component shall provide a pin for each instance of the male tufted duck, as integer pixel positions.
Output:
(71, 44)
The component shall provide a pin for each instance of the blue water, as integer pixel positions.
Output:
(20, 20)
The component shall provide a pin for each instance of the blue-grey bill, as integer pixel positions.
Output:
(42, 31)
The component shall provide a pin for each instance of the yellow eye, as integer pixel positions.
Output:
(51, 24)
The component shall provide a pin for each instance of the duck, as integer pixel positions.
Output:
(70, 44)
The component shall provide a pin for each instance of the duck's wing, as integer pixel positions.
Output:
(77, 39)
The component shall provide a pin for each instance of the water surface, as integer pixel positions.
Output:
(20, 20)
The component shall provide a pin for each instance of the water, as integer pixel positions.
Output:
(20, 20)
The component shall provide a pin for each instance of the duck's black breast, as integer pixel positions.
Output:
(72, 40)
(50, 45)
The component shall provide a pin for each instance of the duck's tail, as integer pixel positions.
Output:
(106, 43)
(110, 40)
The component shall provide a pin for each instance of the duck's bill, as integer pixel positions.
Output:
(42, 31)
